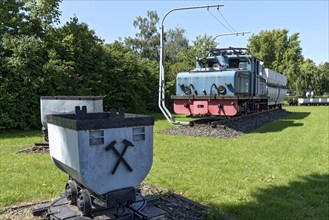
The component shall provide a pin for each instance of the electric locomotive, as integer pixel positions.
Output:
(228, 82)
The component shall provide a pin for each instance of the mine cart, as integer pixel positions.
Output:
(106, 155)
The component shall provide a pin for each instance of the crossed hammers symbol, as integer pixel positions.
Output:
(120, 156)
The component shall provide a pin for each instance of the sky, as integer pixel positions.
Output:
(114, 19)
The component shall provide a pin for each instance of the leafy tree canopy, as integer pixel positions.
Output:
(146, 41)
(38, 59)
(279, 52)
(27, 17)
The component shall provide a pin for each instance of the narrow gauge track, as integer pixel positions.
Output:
(175, 207)
(215, 121)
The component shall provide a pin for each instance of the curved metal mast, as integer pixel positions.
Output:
(161, 101)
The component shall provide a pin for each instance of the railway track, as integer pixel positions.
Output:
(222, 121)
(174, 205)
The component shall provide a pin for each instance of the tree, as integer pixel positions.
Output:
(77, 48)
(323, 84)
(37, 59)
(44, 13)
(21, 81)
(279, 52)
(175, 43)
(308, 78)
(27, 17)
(146, 42)
(186, 58)
(313, 78)
(11, 17)
(202, 44)
(23, 54)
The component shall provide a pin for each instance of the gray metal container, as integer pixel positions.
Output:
(66, 104)
(102, 151)
(276, 86)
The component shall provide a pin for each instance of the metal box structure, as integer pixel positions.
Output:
(313, 101)
(66, 104)
(104, 151)
(276, 86)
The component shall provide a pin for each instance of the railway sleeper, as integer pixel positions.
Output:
(223, 123)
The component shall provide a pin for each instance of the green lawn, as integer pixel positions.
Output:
(26, 177)
(280, 171)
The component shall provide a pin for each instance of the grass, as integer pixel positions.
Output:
(279, 171)
(26, 177)
(276, 172)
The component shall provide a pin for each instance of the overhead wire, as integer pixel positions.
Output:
(226, 20)
(220, 21)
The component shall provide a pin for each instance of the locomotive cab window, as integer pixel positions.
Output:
(235, 63)
(213, 64)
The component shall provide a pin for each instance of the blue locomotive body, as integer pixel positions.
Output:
(226, 82)
(201, 82)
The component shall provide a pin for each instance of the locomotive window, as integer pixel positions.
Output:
(233, 63)
(213, 64)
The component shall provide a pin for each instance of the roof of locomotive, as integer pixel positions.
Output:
(223, 59)
(237, 51)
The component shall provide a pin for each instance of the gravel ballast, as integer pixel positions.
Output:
(231, 129)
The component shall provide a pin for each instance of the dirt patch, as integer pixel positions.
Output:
(19, 212)
(36, 149)
(175, 205)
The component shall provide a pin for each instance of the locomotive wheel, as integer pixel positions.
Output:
(84, 202)
(71, 192)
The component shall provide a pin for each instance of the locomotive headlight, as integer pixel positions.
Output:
(221, 90)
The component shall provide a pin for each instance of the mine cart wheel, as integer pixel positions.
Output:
(71, 192)
(84, 202)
